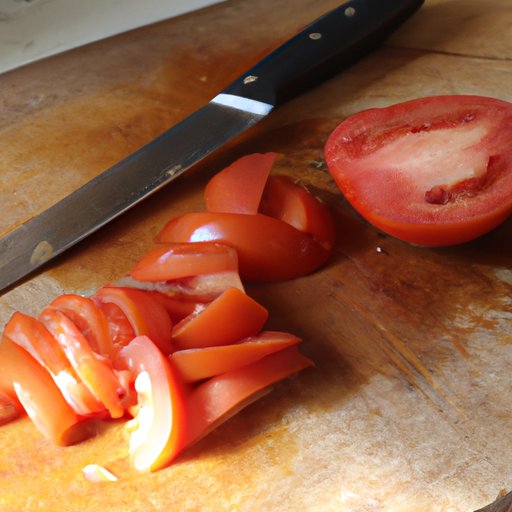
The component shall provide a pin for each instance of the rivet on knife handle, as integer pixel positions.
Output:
(335, 40)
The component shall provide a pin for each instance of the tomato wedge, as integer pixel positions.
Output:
(158, 430)
(30, 334)
(292, 203)
(96, 374)
(221, 397)
(144, 312)
(228, 319)
(268, 249)
(433, 171)
(200, 363)
(239, 187)
(40, 397)
(177, 261)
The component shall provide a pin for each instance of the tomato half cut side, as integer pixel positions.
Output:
(221, 397)
(238, 188)
(433, 171)
(145, 313)
(96, 374)
(158, 430)
(268, 249)
(228, 319)
(177, 261)
(89, 319)
(41, 398)
(200, 363)
(292, 203)
(30, 334)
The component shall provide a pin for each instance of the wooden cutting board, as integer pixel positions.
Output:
(409, 405)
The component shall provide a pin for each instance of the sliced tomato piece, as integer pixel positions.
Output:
(433, 171)
(286, 200)
(228, 319)
(200, 288)
(30, 334)
(119, 326)
(158, 430)
(268, 249)
(40, 397)
(221, 397)
(200, 363)
(145, 313)
(96, 374)
(239, 187)
(89, 319)
(177, 261)
(178, 308)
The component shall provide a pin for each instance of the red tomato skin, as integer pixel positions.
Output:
(178, 261)
(200, 363)
(40, 397)
(292, 203)
(238, 188)
(221, 397)
(268, 249)
(396, 204)
(229, 318)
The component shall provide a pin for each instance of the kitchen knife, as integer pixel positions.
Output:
(330, 43)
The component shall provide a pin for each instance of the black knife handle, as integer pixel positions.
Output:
(324, 47)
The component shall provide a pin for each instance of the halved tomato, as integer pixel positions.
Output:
(40, 397)
(239, 187)
(221, 397)
(200, 363)
(94, 372)
(268, 249)
(228, 319)
(89, 319)
(177, 261)
(158, 430)
(144, 312)
(433, 171)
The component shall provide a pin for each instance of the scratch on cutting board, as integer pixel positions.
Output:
(409, 365)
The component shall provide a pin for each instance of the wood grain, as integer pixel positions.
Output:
(408, 407)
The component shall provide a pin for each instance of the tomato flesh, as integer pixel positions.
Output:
(95, 373)
(144, 312)
(433, 171)
(158, 432)
(30, 334)
(89, 319)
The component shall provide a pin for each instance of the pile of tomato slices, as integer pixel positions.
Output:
(433, 171)
(178, 346)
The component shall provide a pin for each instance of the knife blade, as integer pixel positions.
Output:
(332, 42)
